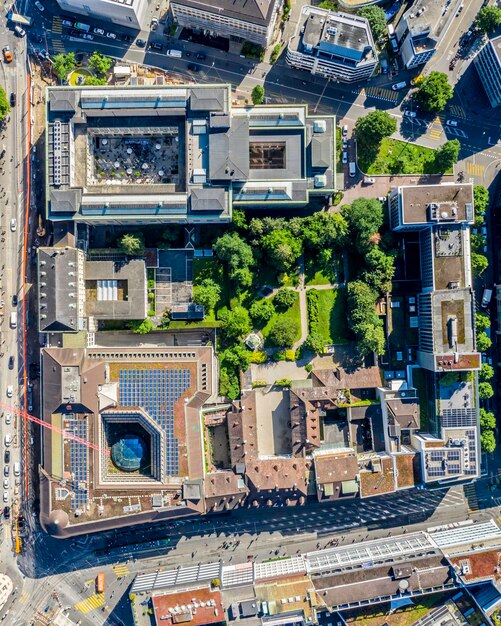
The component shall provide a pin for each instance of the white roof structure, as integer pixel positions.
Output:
(463, 535)
(280, 567)
(184, 575)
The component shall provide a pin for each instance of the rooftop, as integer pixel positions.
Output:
(447, 203)
(496, 46)
(427, 19)
(196, 607)
(255, 11)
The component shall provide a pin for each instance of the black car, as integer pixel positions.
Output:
(14, 300)
(13, 99)
(11, 362)
(193, 67)
(6, 512)
(6, 456)
(156, 46)
(201, 56)
(126, 38)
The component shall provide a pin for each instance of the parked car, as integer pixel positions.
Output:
(14, 300)
(67, 23)
(10, 391)
(7, 54)
(13, 224)
(8, 417)
(451, 123)
(126, 38)
(11, 362)
(6, 483)
(201, 56)
(345, 158)
(39, 6)
(382, 199)
(111, 35)
(156, 46)
(88, 36)
(410, 113)
(5, 496)
(154, 23)
(98, 31)
(6, 456)
(6, 512)
(13, 99)
(399, 86)
(368, 180)
(345, 144)
(345, 131)
(20, 32)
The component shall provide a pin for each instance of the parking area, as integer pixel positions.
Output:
(173, 279)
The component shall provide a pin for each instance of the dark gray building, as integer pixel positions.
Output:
(488, 64)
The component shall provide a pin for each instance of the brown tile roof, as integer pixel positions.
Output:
(408, 473)
(222, 490)
(339, 378)
(331, 468)
(242, 427)
(191, 615)
(272, 476)
(375, 483)
(481, 565)
(404, 412)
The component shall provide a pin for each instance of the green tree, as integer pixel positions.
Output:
(262, 311)
(282, 249)
(486, 372)
(63, 64)
(380, 271)
(94, 81)
(482, 322)
(434, 92)
(99, 64)
(234, 251)
(239, 220)
(487, 420)
(275, 53)
(130, 244)
(315, 342)
(330, 5)
(371, 129)
(142, 328)
(479, 263)
(4, 104)
(257, 94)
(363, 318)
(377, 20)
(237, 356)
(488, 19)
(236, 323)
(207, 293)
(485, 391)
(284, 298)
(483, 342)
(371, 339)
(447, 155)
(322, 230)
(487, 441)
(480, 198)
(283, 333)
(364, 217)
(242, 277)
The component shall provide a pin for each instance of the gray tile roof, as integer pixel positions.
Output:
(208, 199)
(321, 151)
(209, 99)
(227, 160)
(63, 100)
(65, 200)
(255, 11)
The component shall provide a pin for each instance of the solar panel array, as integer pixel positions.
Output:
(472, 453)
(157, 390)
(459, 418)
(78, 461)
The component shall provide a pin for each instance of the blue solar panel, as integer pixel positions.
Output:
(157, 391)
(78, 461)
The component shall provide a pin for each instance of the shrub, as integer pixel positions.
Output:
(258, 357)
(275, 53)
(262, 311)
(142, 328)
(485, 391)
(259, 383)
(308, 367)
(283, 382)
(284, 298)
(283, 333)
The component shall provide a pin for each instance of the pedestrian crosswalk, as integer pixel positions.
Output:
(89, 604)
(57, 26)
(379, 93)
(434, 133)
(476, 169)
(457, 110)
(120, 570)
(471, 497)
(24, 597)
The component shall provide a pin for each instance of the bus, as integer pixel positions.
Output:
(100, 583)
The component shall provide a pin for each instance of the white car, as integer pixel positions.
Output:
(345, 144)
(98, 31)
(410, 113)
(382, 199)
(39, 6)
(20, 32)
(8, 418)
(67, 23)
(88, 36)
(451, 123)
(5, 496)
(345, 158)
(10, 391)
(111, 35)
(13, 224)
(6, 484)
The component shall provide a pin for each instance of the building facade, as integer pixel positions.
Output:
(488, 64)
(336, 46)
(242, 20)
(131, 13)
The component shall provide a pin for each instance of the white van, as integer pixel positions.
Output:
(7, 440)
(13, 319)
(398, 86)
(352, 168)
(174, 53)
(17, 469)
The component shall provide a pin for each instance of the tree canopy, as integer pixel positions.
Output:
(377, 20)
(488, 441)
(322, 230)
(485, 391)
(371, 129)
(4, 104)
(486, 372)
(283, 333)
(207, 293)
(488, 19)
(364, 218)
(479, 263)
(257, 94)
(282, 249)
(284, 298)
(481, 198)
(483, 342)
(143, 327)
(262, 311)
(63, 64)
(131, 244)
(95, 80)
(315, 342)
(380, 269)
(447, 155)
(234, 251)
(364, 320)
(482, 321)
(434, 92)
(236, 323)
(487, 420)
(99, 64)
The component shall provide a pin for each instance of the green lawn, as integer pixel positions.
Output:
(292, 314)
(316, 275)
(332, 322)
(398, 157)
(419, 382)
(212, 268)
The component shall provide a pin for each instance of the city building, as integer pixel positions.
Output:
(131, 13)
(124, 438)
(179, 154)
(75, 293)
(237, 20)
(422, 27)
(194, 607)
(337, 46)
(488, 64)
